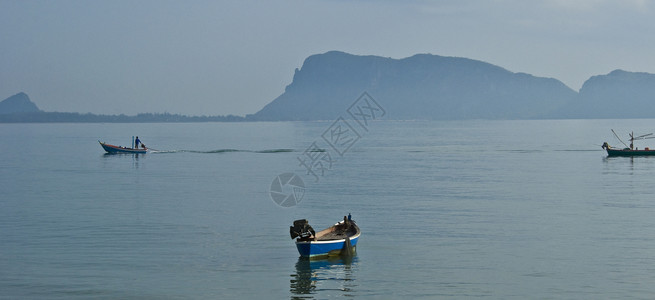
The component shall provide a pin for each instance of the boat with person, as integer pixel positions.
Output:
(120, 149)
(630, 150)
(339, 239)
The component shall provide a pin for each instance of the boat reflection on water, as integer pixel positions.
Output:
(135, 157)
(334, 276)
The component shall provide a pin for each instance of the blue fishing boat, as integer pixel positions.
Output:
(338, 239)
(120, 149)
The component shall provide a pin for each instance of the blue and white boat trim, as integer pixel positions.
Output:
(324, 248)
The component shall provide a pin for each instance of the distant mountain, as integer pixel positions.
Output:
(619, 95)
(19, 103)
(19, 109)
(68, 117)
(423, 86)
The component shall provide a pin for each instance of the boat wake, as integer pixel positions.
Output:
(578, 150)
(543, 151)
(219, 151)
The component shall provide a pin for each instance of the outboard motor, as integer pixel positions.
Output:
(301, 229)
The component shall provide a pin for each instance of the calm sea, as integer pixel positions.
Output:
(459, 209)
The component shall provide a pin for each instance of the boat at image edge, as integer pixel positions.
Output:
(629, 150)
(119, 149)
(338, 239)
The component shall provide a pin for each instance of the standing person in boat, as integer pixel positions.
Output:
(136, 143)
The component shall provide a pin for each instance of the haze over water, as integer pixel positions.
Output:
(460, 209)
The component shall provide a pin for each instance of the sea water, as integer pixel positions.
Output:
(447, 209)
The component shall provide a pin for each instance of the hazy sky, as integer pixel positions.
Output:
(233, 57)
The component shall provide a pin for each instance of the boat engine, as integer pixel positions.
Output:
(301, 229)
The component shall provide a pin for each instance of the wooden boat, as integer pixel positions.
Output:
(339, 239)
(629, 150)
(119, 149)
